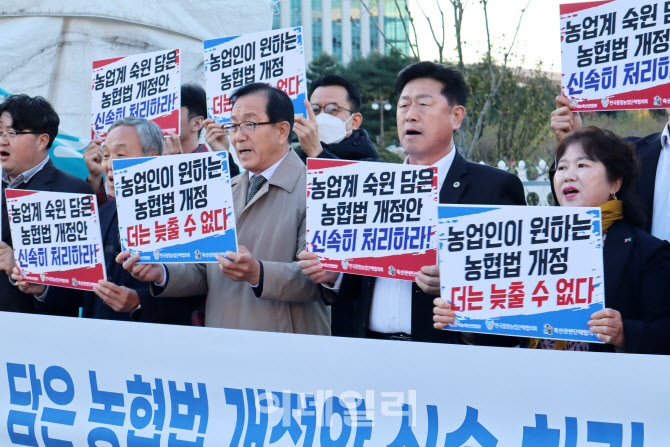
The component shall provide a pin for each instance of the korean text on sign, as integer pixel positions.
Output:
(144, 85)
(175, 209)
(273, 57)
(56, 238)
(615, 55)
(374, 219)
(526, 271)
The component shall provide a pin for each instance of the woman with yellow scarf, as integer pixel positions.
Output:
(595, 168)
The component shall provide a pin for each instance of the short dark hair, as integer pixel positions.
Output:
(33, 113)
(620, 162)
(194, 98)
(454, 87)
(279, 106)
(353, 94)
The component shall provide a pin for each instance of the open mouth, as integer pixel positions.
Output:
(4, 154)
(569, 192)
(411, 132)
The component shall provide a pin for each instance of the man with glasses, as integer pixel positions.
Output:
(259, 287)
(332, 128)
(28, 127)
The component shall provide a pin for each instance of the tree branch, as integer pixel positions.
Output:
(382, 31)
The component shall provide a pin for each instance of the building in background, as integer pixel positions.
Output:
(349, 31)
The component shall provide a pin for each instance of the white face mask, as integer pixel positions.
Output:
(332, 130)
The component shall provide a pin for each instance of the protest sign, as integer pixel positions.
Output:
(177, 208)
(615, 54)
(145, 85)
(56, 238)
(524, 271)
(84, 381)
(375, 219)
(273, 57)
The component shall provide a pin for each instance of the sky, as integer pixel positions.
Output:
(538, 38)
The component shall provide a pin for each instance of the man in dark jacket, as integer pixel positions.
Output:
(430, 109)
(28, 127)
(332, 129)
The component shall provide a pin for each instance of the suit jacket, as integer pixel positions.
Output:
(153, 310)
(49, 178)
(637, 284)
(649, 151)
(466, 183)
(272, 227)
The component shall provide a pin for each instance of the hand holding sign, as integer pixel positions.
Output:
(93, 160)
(313, 269)
(307, 131)
(6, 258)
(214, 135)
(172, 145)
(563, 119)
(428, 279)
(27, 287)
(608, 327)
(240, 266)
(141, 272)
(119, 298)
(442, 314)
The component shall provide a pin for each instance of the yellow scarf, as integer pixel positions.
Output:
(611, 211)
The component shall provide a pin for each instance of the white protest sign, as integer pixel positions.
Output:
(56, 238)
(144, 85)
(118, 382)
(375, 219)
(273, 57)
(177, 208)
(615, 54)
(524, 271)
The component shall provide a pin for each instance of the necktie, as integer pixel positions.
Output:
(255, 184)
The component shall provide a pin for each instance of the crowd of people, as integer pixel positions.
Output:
(271, 283)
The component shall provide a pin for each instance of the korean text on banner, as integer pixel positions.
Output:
(177, 208)
(615, 54)
(144, 85)
(273, 57)
(175, 393)
(375, 219)
(524, 271)
(56, 238)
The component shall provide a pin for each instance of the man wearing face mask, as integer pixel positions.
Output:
(332, 129)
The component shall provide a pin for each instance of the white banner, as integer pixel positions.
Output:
(56, 237)
(614, 54)
(376, 219)
(146, 85)
(274, 57)
(177, 208)
(524, 271)
(82, 381)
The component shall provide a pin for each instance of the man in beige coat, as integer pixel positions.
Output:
(259, 287)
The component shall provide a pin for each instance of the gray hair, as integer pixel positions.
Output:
(151, 136)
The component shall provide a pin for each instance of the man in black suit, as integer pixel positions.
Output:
(430, 108)
(653, 184)
(28, 127)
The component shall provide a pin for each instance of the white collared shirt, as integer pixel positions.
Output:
(392, 298)
(24, 177)
(660, 225)
(269, 172)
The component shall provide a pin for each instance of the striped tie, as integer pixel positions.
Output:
(255, 184)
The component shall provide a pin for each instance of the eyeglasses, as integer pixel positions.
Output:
(11, 134)
(330, 109)
(247, 127)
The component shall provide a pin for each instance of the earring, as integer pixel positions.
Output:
(613, 196)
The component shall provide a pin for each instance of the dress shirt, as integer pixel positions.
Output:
(660, 225)
(392, 298)
(24, 177)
